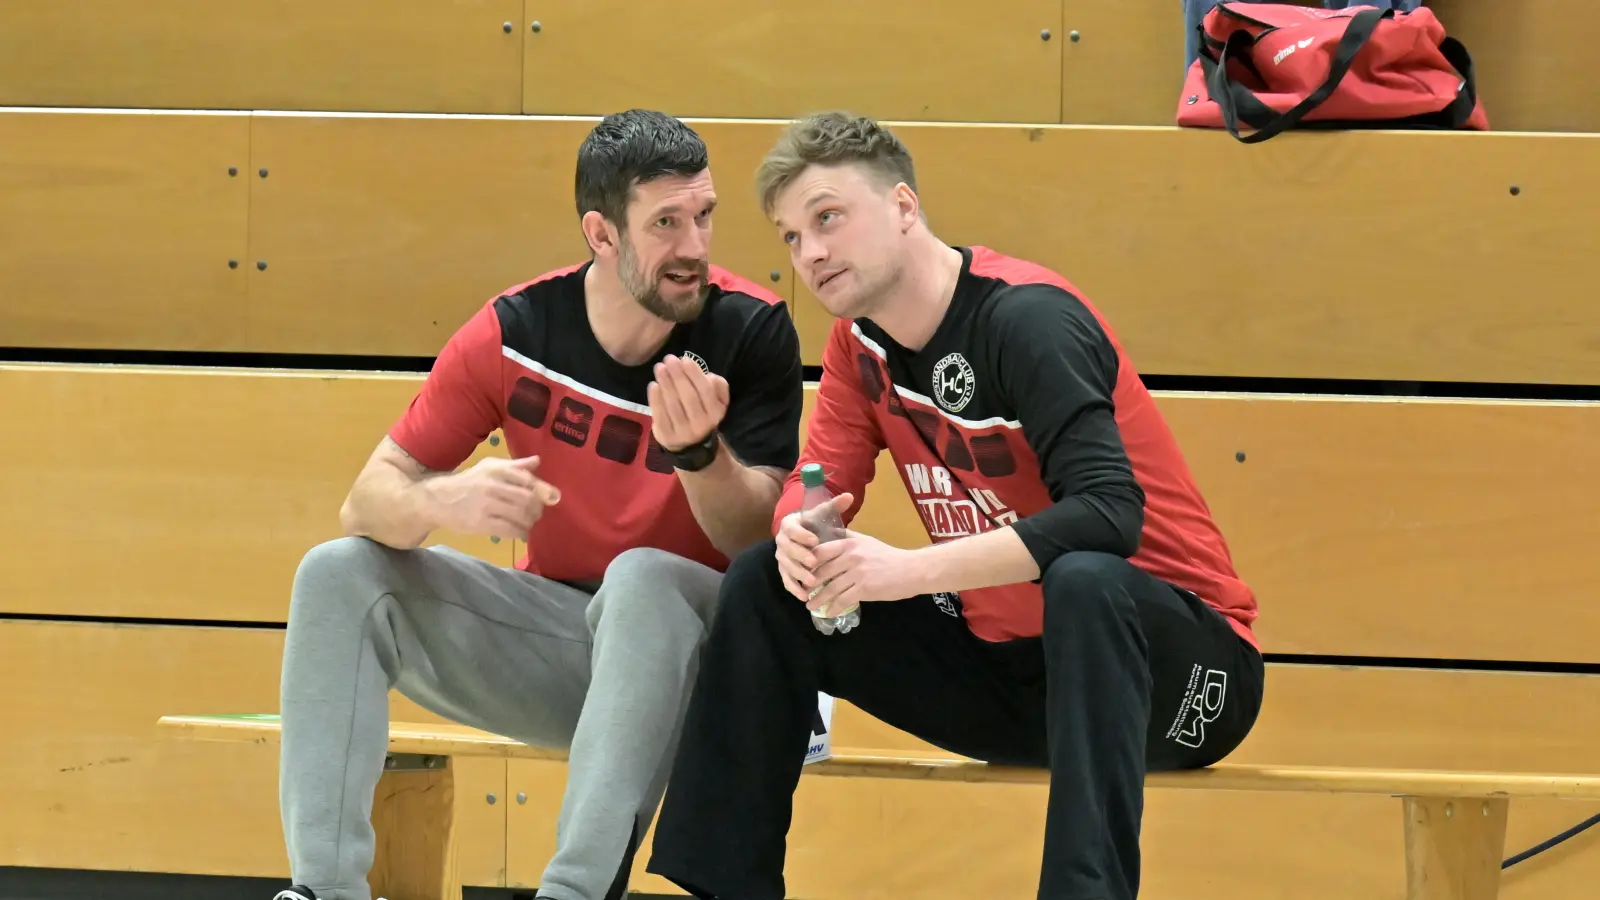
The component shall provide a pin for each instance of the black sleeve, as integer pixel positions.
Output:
(1058, 369)
(765, 392)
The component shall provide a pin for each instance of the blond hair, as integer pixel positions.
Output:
(832, 138)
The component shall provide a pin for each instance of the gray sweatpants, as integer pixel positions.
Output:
(606, 676)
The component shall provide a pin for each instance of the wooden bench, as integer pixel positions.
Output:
(1454, 822)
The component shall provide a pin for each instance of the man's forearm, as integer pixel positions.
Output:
(389, 507)
(982, 560)
(732, 502)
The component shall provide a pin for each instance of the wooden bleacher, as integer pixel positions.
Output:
(355, 178)
(1453, 823)
(352, 55)
(381, 233)
(83, 701)
(245, 503)
(1103, 64)
(193, 493)
(1335, 496)
(1342, 506)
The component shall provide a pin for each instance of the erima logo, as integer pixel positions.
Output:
(1282, 54)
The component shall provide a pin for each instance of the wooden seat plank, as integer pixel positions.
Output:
(455, 740)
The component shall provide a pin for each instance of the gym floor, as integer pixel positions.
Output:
(68, 884)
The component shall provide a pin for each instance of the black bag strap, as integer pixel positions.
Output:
(1239, 103)
(1460, 109)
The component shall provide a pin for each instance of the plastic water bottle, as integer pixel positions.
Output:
(827, 526)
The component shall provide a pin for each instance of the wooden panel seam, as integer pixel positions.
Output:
(1061, 74)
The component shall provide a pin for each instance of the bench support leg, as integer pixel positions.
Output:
(413, 813)
(1454, 848)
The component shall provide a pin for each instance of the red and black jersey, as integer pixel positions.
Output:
(529, 364)
(1021, 410)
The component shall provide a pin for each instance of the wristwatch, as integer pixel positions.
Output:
(696, 456)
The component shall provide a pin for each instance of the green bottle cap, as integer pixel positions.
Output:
(811, 475)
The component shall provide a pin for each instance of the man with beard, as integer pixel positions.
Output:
(651, 405)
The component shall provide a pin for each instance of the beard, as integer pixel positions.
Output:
(646, 290)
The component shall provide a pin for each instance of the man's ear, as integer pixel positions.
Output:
(601, 235)
(908, 205)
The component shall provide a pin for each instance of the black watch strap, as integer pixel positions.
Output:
(697, 456)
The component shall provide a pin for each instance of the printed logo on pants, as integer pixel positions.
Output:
(1202, 703)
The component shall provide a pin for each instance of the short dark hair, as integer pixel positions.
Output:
(631, 148)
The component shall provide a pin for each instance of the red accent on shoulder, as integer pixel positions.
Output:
(552, 274)
(988, 263)
(728, 281)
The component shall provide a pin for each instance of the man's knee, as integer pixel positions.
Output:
(1086, 583)
(753, 581)
(333, 567)
(337, 585)
(757, 565)
(646, 584)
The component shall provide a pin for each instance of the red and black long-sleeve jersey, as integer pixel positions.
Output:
(1022, 410)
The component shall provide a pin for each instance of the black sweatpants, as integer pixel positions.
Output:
(1130, 675)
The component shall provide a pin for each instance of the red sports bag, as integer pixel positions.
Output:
(1276, 66)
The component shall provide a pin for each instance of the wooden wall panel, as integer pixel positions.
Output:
(116, 230)
(1317, 715)
(95, 784)
(1400, 528)
(1297, 258)
(188, 494)
(1435, 529)
(959, 60)
(1112, 64)
(383, 234)
(1122, 63)
(358, 55)
(1536, 71)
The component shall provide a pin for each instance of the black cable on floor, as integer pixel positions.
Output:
(1540, 848)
